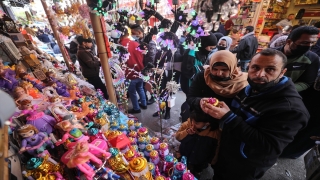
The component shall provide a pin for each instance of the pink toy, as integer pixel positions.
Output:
(213, 101)
(80, 155)
(188, 176)
(74, 134)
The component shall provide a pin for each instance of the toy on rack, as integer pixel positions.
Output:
(7, 78)
(34, 81)
(155, 142)
(130, 154)
(57, 109)
(82, 154)
(34, 142)
(20, 94)
(60, 91)
(94, 132)
(28, 87)
(117, 162)
(85, 103)
(51, 76)
(43, 168)
(154, 157)
(44, 123)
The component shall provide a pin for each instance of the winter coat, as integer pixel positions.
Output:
(247, 47)
(192, 63)
(90, 65)
(259, 127)
(302, 70)
(200, 148)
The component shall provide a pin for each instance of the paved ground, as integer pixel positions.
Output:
(284, 169)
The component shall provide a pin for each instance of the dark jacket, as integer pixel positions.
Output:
(188, 68)
(246, 48)
(302, 70)
(316, 48)
(258, 128)
(90, 65)
(198, 90)
(200, 148)
(44, 38)
(151, 54)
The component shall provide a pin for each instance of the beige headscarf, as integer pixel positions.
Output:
(238, 79)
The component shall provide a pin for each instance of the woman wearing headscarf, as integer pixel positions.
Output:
(221, 80)
(224, 43)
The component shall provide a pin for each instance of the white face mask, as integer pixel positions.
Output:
(135, 37)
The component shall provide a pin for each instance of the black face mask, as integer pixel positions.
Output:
(221, 48)
(262, 87)
(299, 51)
(217, 78)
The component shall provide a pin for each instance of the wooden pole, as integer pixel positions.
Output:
(4, 175)
(102, 53)
(57, 36)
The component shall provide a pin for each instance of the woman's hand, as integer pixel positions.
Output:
(203, 102)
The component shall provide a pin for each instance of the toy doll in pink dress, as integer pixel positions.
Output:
(34, 142)
(44, 123)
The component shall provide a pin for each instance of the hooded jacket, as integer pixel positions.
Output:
(247, 47)
(260, 126)
(90, 65)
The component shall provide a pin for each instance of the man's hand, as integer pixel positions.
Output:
(216, 112)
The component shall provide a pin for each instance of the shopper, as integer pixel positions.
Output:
(285, 32)
(303, 66)
(44, 38)
(264, 117)
(246, 48)
(138, 35)
(199, 142)
(90, 65)
(228, 25)
(134, 67)
(285, 22)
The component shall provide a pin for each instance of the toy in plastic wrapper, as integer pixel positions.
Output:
(142, 142)
(42, 168)
(164, 151)
(154, 157)
(147, 151)
(155, 141)
(178, 170)
(139, 168)
(34, 142)
(130, 154)
(117, 162)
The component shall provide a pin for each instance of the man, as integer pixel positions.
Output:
(246, 48)
(285, 32)
(303, 66)
(228, 25)
(316, 47)
(134, 67)
(90, 65)
(285, 22)
(265, 117)
(137, 34)
(44, 38)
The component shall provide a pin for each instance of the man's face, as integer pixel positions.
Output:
(263, 69)
(290, 17)
(88, 44)
(244, 31)
(303, 44)
(137, 33)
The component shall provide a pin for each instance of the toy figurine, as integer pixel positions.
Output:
(123, 128)
(34, 81)
(117, 162)
(60, 91)
(188, 176)
(28, 87)
(139, 168)
(74, 135)
(155, 142)
(137, 125)
(81, 155)
(20, 94)
(178, 170)
(57, 109)
(131, 124)
(85, 109)
(154, 157)
(42, 168)
(164, 151)
(142, 142)
(34, 142)
(51, 76)
(44, 123)
(147, 151)
(7, 78)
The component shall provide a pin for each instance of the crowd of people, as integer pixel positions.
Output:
(266, 106)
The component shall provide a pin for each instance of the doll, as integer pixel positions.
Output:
(44, 123)
(20, 94)
(28, 87)
(57, 109)
(60, 91)
(82, 154)
(51, 76)
(34, 81)
(34, 142)
(7, 78)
